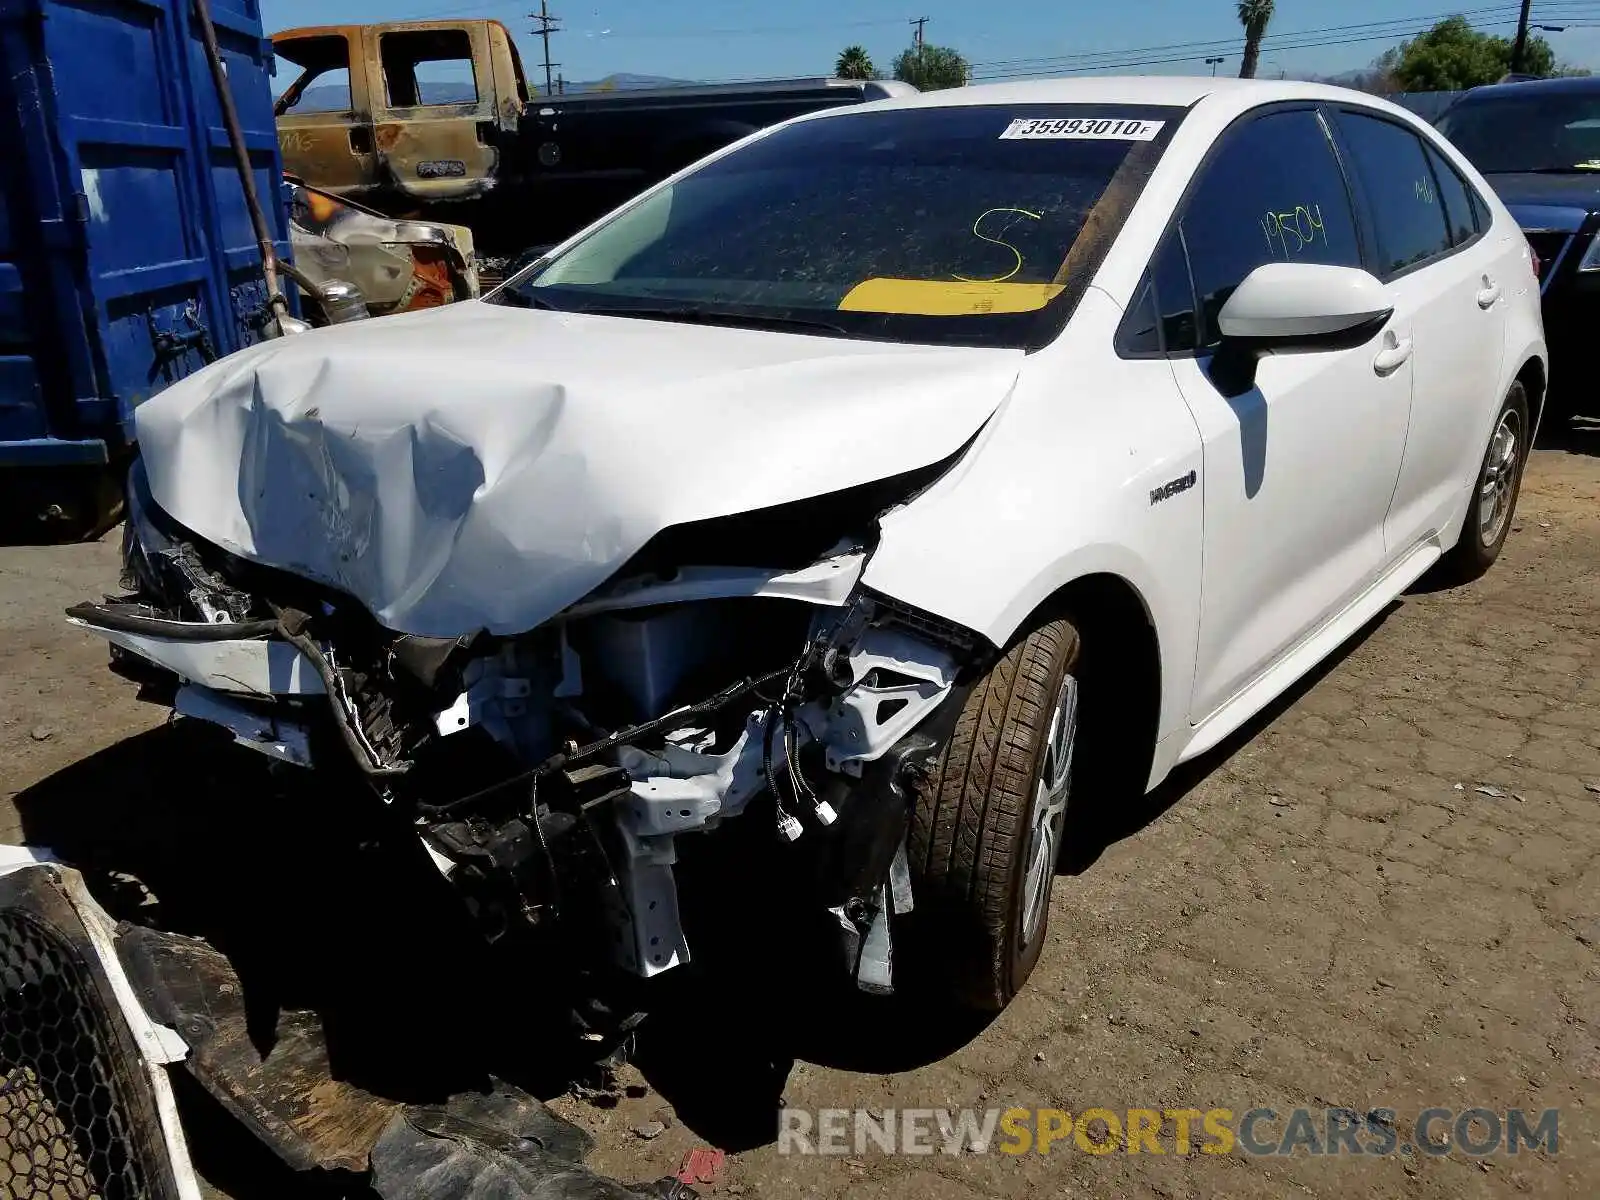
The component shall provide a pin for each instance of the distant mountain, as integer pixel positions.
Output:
(622, 81)
(325, 97)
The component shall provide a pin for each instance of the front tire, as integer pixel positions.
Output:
(987, 827)
(1495, 491)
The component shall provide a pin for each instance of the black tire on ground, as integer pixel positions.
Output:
(1494, 491)
(974, 823)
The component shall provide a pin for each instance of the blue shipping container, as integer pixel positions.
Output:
(127, 256)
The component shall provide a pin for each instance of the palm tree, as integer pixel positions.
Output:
(1254, 15)
(854, 63)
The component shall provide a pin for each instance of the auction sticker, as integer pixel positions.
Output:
(1090, 129)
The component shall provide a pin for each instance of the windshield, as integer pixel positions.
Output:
(956, 225)
(1535, 131)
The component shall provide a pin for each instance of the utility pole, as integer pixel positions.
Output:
(919, 22)
(547, 26)
(1521, 44)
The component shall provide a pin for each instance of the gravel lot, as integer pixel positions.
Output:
(1383, 893)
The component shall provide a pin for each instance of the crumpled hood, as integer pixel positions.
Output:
(481, 466)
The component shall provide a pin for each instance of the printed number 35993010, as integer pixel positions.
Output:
(1083, 128)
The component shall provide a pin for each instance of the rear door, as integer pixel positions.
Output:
(1448, 278)
(434, 116)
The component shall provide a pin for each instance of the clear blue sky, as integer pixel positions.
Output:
(711, 39)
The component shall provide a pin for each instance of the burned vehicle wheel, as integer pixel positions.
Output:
(987, 826)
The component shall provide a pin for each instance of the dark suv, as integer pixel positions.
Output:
(1538, 144)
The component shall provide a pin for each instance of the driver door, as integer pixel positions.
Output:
(1298, 470)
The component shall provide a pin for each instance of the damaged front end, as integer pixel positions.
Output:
(733, 668)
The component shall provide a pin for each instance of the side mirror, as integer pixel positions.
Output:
(1295, 306)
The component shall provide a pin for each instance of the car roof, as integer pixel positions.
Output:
(1176, 91)
(1571, 84)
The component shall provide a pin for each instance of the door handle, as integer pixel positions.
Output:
(1489, 294)
(1393, 356)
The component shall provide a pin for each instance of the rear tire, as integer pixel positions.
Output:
(986, 830)
(1494, 491)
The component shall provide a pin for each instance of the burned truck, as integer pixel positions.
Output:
(435, 119)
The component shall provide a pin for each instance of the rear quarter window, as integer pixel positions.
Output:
(1401, 192)
(1456, 194)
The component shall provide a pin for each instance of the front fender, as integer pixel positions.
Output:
(1089, 468)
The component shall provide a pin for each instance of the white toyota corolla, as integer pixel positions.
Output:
(892, 483)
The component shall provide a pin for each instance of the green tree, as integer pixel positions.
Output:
(1255, 16)
(1453, 56)
(854, 63)
(929, 68)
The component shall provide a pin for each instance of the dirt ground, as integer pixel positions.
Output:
(1384, 893)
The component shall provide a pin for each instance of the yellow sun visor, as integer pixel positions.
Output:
(947, 298)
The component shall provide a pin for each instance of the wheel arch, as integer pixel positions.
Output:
(1534, 380)
(1120, 674)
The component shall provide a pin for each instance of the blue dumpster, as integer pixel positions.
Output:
(127, 256)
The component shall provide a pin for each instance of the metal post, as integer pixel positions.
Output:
(1520, 46)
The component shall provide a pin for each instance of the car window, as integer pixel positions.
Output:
(951, 225)
(323, 85)
(1174, 294)
(1162, 317)
(1480, 209)
(1140, 334)
(1516, 129)
(1400, 189)
(1455, 194)
(428, 68)
(1272, 192)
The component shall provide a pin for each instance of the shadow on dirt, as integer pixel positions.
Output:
(321, 900)
(316, 908)
(54, 506)
(1092, 828)
(315, 897)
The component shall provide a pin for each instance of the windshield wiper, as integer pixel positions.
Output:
(512, 298)
(1575, 169)
(695, 315)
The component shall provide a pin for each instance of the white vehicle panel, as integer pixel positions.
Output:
(255, 666)
(361, 457)
(1059, 488)
(1298, 475)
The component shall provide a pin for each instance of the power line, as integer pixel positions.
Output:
(1182, 58)
(1190, 52)
(1271, 41)
(479, 8)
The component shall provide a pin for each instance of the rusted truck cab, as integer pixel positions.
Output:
(405, 111)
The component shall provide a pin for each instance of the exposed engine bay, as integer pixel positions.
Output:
(732, 669)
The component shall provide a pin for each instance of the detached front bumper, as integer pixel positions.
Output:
(90, 1020)
(86, 1108)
